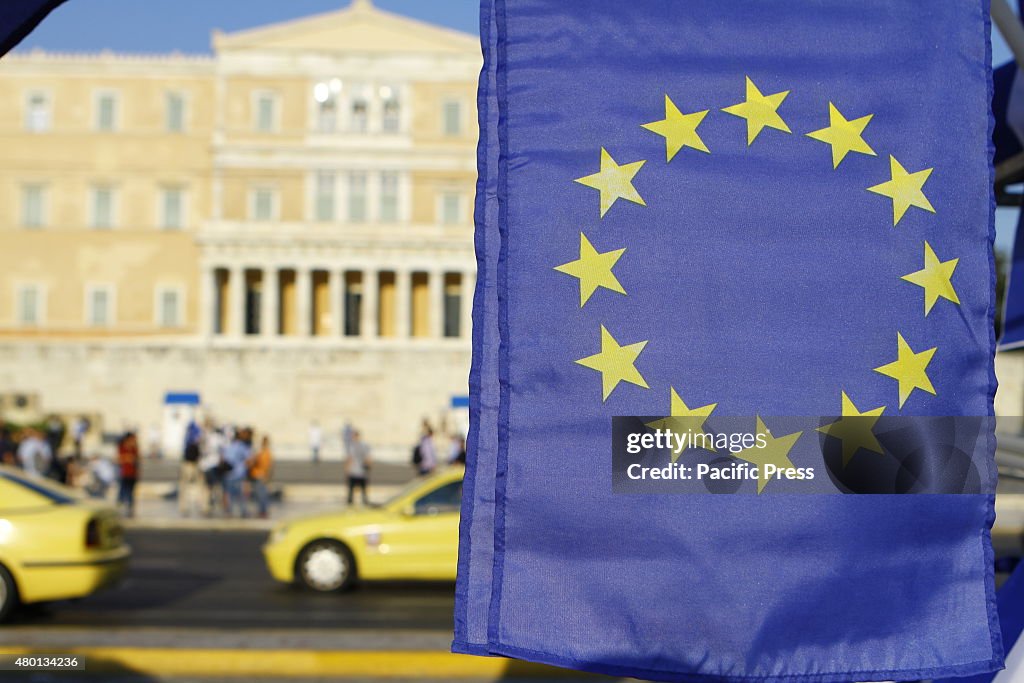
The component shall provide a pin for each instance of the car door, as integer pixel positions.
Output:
(424, 544)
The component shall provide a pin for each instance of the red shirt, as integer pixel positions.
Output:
(128, 457)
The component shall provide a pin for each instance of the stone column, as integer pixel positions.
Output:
(335, 298)
(270, 303)
(403, 308)
(236, 301)
(468, 290)
(435, 303)
(303, 302)
(207, 301)
(368, 323)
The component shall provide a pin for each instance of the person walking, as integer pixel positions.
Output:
(316, 440)
(34, 454)
(190, 481)
(357, 467)
(55, 431)
(102, 474)
(236, 457)
(210, 465)
(261, 466)
(346, 439)
(78, 431)
(457, 451)
(425, 456)
(129, 461)
(8, 447)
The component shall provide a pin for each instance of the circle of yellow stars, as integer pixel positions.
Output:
(616, 362)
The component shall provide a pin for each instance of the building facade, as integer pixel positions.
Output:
(284, 228)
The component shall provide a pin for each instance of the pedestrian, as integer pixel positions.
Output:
(316, 438)
(346, 438)
(129, 461)
(34, 454)
(457, 451)
(357, 467)
(55, 433)
(236, 458)
(210, 463)
(78, 473)
(261, 466)
(78, 431)
(190, 480)
(8, 447)
(102, 477)
(425, 454)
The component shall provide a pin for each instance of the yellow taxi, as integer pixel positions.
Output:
(415, 535)
(53, 544)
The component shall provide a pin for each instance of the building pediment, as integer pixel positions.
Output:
(360, 28)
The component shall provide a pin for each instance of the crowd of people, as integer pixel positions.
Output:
(39, 451)
(224, 469)
(221, 470)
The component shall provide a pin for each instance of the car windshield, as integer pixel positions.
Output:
(406, 490)
(49, 491)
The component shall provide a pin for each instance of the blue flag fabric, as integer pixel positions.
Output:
(802, 193)
(19, 17)
(476, 532)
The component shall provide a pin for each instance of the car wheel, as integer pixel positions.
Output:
(326, 566)
(8, 594)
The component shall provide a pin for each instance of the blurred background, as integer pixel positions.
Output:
(242, 233)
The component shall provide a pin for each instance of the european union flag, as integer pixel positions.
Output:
(747, 209)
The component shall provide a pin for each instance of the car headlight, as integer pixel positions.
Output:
(278, 533)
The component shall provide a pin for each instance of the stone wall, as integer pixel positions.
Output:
(385, 389)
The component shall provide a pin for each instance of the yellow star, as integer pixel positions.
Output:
(843, 135)
(935, 279)
(614, 181)
(775, 452)
(615, 363)
(909, 369)
(904, 189)
(684, 419)
(678, 129)
(760, 111)
(854, 429)
(593, 269)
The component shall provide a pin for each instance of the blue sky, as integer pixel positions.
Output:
(185, 26)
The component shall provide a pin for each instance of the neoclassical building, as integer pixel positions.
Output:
(284, 228)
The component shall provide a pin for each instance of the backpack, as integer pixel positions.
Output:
(417, 455)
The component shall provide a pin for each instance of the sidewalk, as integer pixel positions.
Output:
(306, 488)
(290, 471)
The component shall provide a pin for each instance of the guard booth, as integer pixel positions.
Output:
(180, 408)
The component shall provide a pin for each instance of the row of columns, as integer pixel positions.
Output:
(228, 286)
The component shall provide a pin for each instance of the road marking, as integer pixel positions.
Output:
(302, 663)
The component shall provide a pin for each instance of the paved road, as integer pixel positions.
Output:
(217, 580)
(193, 579)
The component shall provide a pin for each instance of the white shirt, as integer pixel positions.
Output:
(213, 446)
(428, 456)
(34, 454)
(359, 455)
(316, 436)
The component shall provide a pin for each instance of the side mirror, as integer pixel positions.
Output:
(409, 510)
